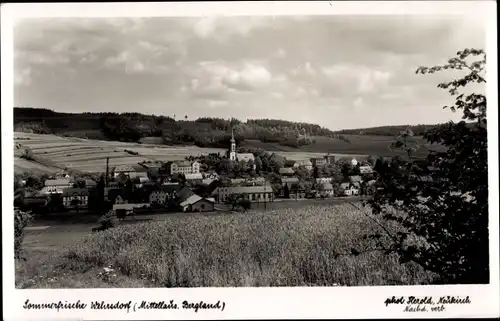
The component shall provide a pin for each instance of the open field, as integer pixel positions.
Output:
(358, 146)
(55, 152)
(309, 246)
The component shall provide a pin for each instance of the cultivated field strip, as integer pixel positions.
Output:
(90, 155)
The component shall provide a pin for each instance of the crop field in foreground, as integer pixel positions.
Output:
(309, 246)
(55, 153)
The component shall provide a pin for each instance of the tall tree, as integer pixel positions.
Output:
(286, 191)
(441, 204)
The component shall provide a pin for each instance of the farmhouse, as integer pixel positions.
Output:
(75, 197)
(56, 186)
(131, 171)
(307, 164)
(182, 167)
(196, 203)
(252, 193)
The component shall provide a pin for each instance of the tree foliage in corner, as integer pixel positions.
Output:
(440, 204)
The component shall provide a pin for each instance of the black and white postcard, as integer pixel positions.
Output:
(250, 160)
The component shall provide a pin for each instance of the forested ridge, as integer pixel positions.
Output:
(203, 132)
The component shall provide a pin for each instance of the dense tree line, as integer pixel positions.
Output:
(203, 132)
(418, 130)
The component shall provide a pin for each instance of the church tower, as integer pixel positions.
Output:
(232, 151)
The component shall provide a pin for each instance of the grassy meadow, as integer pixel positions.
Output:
(310, 246)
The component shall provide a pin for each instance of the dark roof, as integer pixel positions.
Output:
(113, 193)
(170, 188)
(185, 193)
(327, 186)
(77, 191)
(248, 189)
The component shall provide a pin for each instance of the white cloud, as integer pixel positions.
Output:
(221, 28)
(215, 77)
(217, 103)
(23, 78)
(205, 27)
(280, 54)
(364, 79)
(277, 95)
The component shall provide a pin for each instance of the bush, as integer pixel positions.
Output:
(21, 220)
(131, 152)
(108, 220)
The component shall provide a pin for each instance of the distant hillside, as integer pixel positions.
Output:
(133, 127)
(271, 134)
(418, 130)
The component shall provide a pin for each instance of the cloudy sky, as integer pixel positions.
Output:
(336, 71)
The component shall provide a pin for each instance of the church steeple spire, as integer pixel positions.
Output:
(232, 150)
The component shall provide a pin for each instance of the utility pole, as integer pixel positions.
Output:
(107, 171)
(265, 196)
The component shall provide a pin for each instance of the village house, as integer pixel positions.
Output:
(164, 194)
(355, 179)
(255, 181)
(257, 193)
(211, 175)
(289, 163)
(330, 159)
(75, 197)
(182, 167)
(237, 181)
(286, 171)
(56, 186)
(327, 189)
(194, 177)
(196, 203)
(321, 180)
(365, 169)
(319, 161)
(130, 171)
(307, 164)
(348, 189)
(295, 191)
(153, 168)
(289, 180)
(90, 183)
